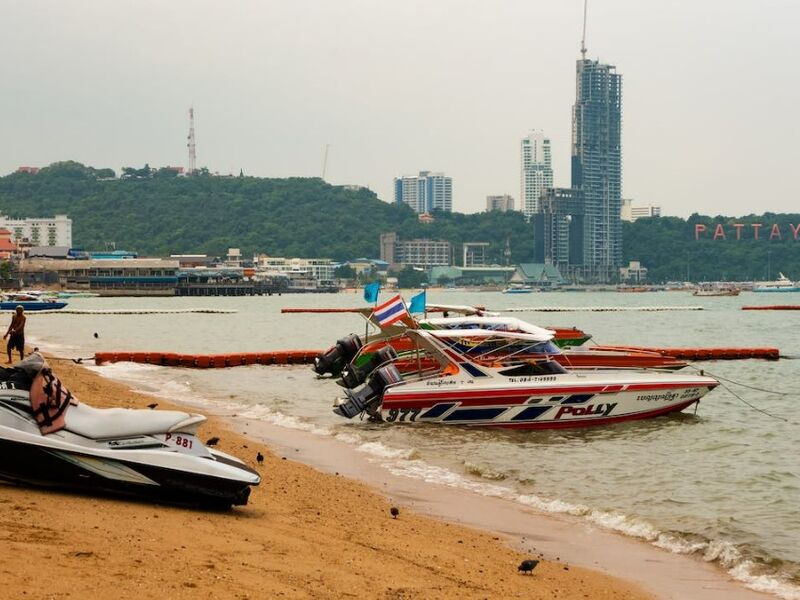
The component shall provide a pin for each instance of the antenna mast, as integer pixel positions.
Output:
(191, 143)
(325, 161)
(583, 37)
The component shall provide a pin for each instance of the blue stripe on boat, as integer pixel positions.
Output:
(474, 414)
(437, 411)
(530, 413)
(472, 369)
(578, 399)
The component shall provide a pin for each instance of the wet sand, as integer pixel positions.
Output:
(310, 532)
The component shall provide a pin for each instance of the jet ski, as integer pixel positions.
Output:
(152, 454)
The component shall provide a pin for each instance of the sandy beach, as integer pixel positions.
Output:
(305, 534)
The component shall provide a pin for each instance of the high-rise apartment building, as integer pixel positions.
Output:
(502, 203)
(596, 165)
(425, 192)
(536, 172)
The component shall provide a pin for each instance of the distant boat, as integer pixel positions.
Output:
(716, 290)
(32, 305)
(781, 284)
(516, 288)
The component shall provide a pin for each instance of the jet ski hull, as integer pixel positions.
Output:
(43, 467)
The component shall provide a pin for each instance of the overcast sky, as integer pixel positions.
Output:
(711, 90)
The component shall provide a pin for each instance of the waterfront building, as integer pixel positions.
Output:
(630, 211)
(108, 277)
(539, 275)
(313, 271)
(558, 230)
(502, 203)
(425, 192)
(422, 253)
(596, 165)
(55, 231)
(536, 170)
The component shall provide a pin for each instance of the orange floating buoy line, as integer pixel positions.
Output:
(698, 354)
(773, 307)
(210, 361)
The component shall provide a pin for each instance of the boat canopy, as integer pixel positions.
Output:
(505, 324)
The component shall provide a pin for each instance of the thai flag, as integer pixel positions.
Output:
(390, 311)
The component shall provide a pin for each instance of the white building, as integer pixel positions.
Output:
(536, 170)
(425, 192)
(55, 231)
(320, 270)
(631, 212)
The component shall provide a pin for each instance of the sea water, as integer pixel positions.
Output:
(722, 483)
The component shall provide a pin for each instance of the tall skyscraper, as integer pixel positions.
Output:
(596, 164)
(425, 192)
(536, 170)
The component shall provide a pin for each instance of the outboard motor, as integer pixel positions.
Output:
(334, 359)
(353, 376)
(369, 396)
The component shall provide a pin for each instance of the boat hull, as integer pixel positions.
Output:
(538, 407)
(32, 305)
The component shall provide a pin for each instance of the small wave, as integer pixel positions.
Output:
(484, 472)
(383, 451)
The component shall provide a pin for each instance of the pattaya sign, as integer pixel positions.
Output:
(747, 231)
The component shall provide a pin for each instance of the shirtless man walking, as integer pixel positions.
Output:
(17, 332)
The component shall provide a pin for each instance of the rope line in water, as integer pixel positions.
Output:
(742, 400)
(761, 410)
(744, 385)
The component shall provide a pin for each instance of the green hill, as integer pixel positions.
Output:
(160, 214)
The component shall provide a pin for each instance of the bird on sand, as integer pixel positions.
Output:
(260, 458)
(212, 441)
(152, 406)
(395, 512)
(527, 566)
(96, 335)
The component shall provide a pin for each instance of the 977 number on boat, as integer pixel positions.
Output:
(397, 414)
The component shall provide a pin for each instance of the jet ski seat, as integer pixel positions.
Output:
(112, 423)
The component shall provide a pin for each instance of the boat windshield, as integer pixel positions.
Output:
(538, 367)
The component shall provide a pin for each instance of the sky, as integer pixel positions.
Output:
(711, 91)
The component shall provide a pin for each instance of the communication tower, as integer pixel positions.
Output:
(191, 143)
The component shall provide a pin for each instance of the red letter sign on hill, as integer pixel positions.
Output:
(700, 228)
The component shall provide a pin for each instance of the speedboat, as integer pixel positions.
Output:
(781, 284)
(488, 339)
(517, 288)
(153, 454)
(30, 301)
(335, 358)
(528, 395)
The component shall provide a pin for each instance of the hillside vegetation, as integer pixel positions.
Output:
(155, 212)
(161, 214)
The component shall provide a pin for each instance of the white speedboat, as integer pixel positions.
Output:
(529, 395)
(781, 284)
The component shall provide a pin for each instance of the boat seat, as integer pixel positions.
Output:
(108, 423)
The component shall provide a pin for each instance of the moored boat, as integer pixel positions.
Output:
(32, 305)
(781, 284)
(716, 290)
(529, 395)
